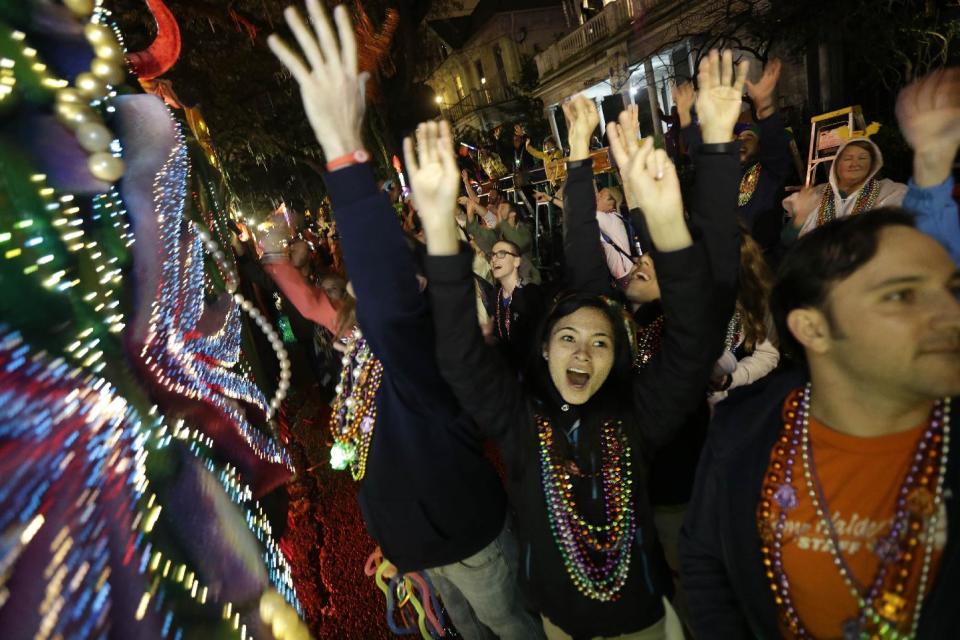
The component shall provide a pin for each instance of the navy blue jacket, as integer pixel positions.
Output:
(429, 496)
(721, 566)
(763, 213)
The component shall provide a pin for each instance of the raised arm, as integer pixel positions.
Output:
(695, 309)
(928, 111)
(392, 314)
(482, 382)
(684, 97)
(774, 149)
(468, 187)
(536, 153)
(586, 267)
(312, 302)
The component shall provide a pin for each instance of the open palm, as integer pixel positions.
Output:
(434, 176)
(761, 92)
(332, 90)
(720, 95)
(648, 174)
(928, 111)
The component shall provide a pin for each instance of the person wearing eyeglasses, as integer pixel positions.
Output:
(517, 305)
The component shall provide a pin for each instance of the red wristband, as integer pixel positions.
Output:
(354, 157)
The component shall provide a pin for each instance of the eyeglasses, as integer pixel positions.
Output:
(501, 255)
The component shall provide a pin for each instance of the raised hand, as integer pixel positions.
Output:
(684, 97)
(629, 128)
(332, 90)
(434, 184)
(651, 177)
(928, 111)
(802, 204)
(276, 239)
(762, 92)
(582, 119)
(720, 95)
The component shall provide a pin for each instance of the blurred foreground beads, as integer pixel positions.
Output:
(80, 8)
(94, 137)
(105, 166)
(90, 86)
(107, 70)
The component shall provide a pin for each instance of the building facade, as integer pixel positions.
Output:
(477, 81)
(628, 52)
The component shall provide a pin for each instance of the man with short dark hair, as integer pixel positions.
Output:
(826, 500)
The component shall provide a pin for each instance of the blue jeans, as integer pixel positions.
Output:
(481, 594)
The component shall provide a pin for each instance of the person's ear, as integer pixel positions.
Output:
(810, 328)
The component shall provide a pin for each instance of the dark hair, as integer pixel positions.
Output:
(513, 246)
(820, 259)
(615, 391)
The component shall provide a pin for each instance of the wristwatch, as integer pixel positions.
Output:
(356, 157)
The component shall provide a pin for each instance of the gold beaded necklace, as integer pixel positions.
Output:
(73, 104)
(354, 410)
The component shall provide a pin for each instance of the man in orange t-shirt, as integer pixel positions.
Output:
(861, 479)
(825, 502)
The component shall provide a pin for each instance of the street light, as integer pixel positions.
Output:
(438, 99)
(483, 81)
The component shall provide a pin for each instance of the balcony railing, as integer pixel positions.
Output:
(605, 24)
(478, 99)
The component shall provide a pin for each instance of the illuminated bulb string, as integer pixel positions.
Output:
(180, 357)
(70, 441)
(73, 441)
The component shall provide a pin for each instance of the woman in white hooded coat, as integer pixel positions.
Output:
(853, 188)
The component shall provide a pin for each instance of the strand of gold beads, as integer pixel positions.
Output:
(73, 104)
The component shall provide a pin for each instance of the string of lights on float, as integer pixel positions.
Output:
(182, 360)
(75, 113)
(27, 240)
(90, 442)
(74, 427)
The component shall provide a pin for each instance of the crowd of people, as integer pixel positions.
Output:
(665, 472)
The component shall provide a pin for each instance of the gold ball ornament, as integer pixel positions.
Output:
(74, 114)
(81, 8)
(90, 86)
(94, 137)
(98, 34)
(109, 51)
(104, 166)
(109, 72)
(69, 96)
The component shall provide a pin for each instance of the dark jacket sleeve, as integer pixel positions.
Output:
(485, 385)
(675, 380)
(713, 214)
(698, 290)
(714, 607)
(587, 270)
(391, 311)
(774, 148)
(691, 137)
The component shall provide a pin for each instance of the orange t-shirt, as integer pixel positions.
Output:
(861, 480)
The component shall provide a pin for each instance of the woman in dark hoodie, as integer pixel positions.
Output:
(576, 434)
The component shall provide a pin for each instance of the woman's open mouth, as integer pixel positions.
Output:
(578, 378)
